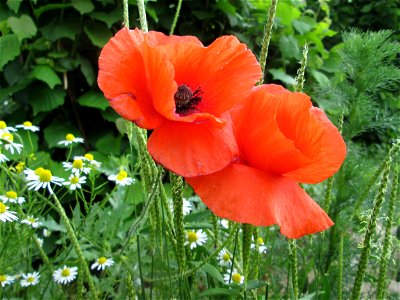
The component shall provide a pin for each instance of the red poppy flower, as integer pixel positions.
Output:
(282, 140)
(182, 90)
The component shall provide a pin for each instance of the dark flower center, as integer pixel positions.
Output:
(186, 100)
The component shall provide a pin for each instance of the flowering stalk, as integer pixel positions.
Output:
(125, 5)
(130, 287)
(379, 198)
(246, 244)
(177, 186)
(293, 267)
(340, 267)
(80, 287)
(267, 37)
(257, 253)
(387, 243)
(75, 243)
(301, 71)
(142, 15)
(178, 10)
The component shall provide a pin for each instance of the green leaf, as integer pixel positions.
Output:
(93, 99)
(98, 33)
(304, 24)
(220, 292)
(109, 144)
(46, 74)
(43, 99)
(83, 6)
(213, 272)
(320, 77)
(6, 92)
(56, 132)
(198, 216)
(110, 18)
(9, 48)
(109, 114)
(289, 47)
(14, 5)
(23, 27)
(279, 74)
(87, 70)
(286, 13)
(66, 29)
(255, 284)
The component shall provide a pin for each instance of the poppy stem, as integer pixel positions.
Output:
(267, 37)
(125, 13)
(178, 10)
(142, 15)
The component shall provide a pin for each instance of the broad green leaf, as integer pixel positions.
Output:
(56, 132)
(213, 272)
(320, 77)
(93, 99)
(109, 114)
(198, 216)
(301, 26)
(279, 74)
(9, 48)
(83, 6)
(110, 18)
(43, 99)
(67, 29)
(23, 27)
(289, 47)
(6, 92)
(14, 5)
(40, 159)
(58, 54)
(286, 13)
(109, 144)
(46, 74)
(220, 292)
(98, 33)
(87, 70)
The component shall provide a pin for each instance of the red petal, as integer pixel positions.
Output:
(192, 149)
(247, 195)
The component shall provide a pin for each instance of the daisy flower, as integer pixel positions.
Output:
(39, 240)
(3, 158)
(76, 167)
(75, 181)
(10, 146)
(224, 258)
(260, 243)
(28, 126)
(12, 197)
(90, 159)
(236, 277)
(46, 232)
(32, 221)
(6, 279)
(65, 275)
(30, 279)
(224, 223)
(121, 178)
(102, 262)
(5, 129)
(70, 139)
(41, 178)
(195, 239)
(6, 215)
(186, 207)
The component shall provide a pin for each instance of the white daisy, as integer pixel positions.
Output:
(30, 279)
(3, 158)
(187, 206)
(90, 159)
(41, 178)
(224, 258)
(224, 223)
(6, 215)
(5, 129)
(70, 139)
(46, 232)
(236, 277)
(65, 274)
(195, 239)
(32, 221)
(261, 247)
(6, 279)
(12, 197)
(102, 262)
(76, 167)
(39, 240)
(75, 181)
(28, 126)
(10, 146)
(121, 178)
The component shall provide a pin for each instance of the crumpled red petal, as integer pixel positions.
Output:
(247, 195)
(193, 149)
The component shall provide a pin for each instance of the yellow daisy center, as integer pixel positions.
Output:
(27, 124)
(45, 176)
(3, 208)
(89, 156)
(65, 273)
(20, 167)
(122, 175)
(70, 137)
(74, 180)
(31, 220)
(30, 279)
(226, 257)
(77, 164)
(39, 171)
(102, 260)
(260, 241)
(192, 236)
(8, 136)
(3, 278)
(236, 278)
(3, 125)
(11, 195)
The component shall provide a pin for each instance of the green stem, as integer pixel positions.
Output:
(246, 244)
(75, 243)
(301, 71)
(293, 266)
(125, 5)
(340, 267)
(142, 15)
(178, 10)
